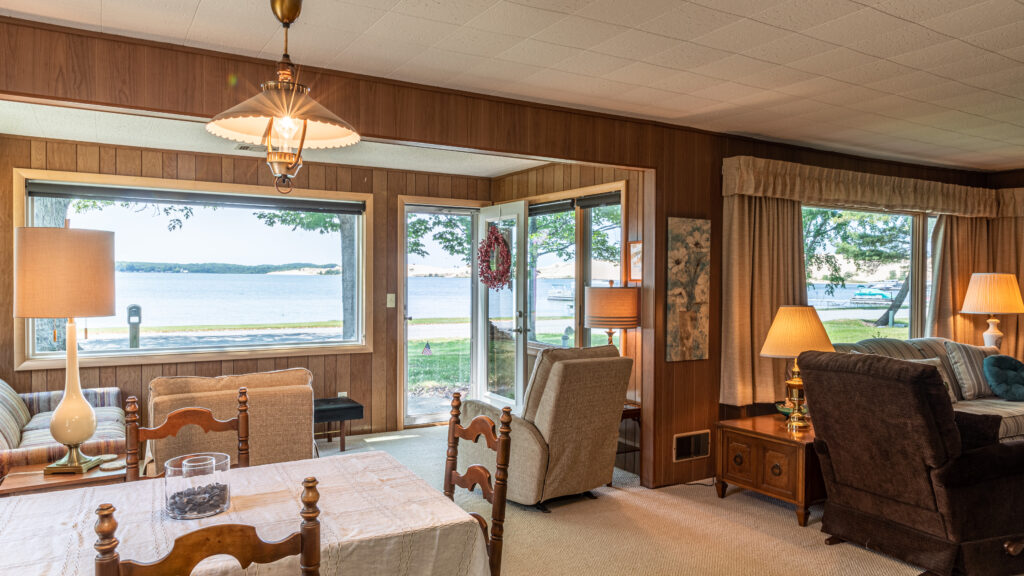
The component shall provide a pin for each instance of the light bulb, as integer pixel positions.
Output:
(286, 127)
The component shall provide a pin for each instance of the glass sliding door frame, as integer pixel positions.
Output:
(427, 205)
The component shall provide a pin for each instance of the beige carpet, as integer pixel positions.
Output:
(630, 530)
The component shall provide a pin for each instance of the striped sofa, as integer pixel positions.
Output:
(1012, 413)
(25, 426)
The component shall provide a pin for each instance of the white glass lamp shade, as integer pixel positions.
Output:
(63, 273)
(288, 104)
(794, 330)
(993, 294)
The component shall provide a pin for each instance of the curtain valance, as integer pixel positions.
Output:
(749, 176)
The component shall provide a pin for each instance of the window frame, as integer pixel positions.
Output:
(918, 261)
(582, 271)
(22, 347)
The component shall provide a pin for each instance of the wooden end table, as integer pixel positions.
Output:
(30, 480)
(760, 454)
(329, 410)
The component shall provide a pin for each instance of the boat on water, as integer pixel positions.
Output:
(871, 296)
(891, 285)
(561, 293)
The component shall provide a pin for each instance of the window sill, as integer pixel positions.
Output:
(213, 355)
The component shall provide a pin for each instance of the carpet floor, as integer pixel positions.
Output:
(630, 530)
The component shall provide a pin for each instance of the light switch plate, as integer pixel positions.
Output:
(391, 300)
(342, 394)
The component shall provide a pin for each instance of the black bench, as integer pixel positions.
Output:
(329, 410)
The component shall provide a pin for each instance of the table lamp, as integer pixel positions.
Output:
(795, 329)
(993, 294)
(65, 273)
(612, 308)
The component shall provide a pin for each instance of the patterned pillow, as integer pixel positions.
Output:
(14, 415)
(968, 363)
(942, 374)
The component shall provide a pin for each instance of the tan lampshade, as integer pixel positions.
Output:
(993, 294)
(795, 329)
(63, 273)
(611, 308)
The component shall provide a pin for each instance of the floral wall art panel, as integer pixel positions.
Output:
(688, 301)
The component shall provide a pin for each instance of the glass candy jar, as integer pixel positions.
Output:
(196, 485)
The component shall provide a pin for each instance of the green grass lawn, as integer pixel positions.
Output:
(852, 330)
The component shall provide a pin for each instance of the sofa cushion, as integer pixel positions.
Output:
(968, 365)
(13, 416)
(947, 380)
(1012, 413)
(109, 426)
(542, 369)
(1005, 376)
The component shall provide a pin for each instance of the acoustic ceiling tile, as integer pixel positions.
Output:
(906, 38)
(976, 18)
(411, 29)
(687, 104)
(1000, 39)
(337, 15)
(857, 97)
(579, 32)
(466, 40)
(937, 54)
(434, 63)
(306, 45)
(814, 87)
(379, 4)
(854, 26)
(911, 80)
(369, 53)
(563, 6)
(746, 8)
(735, 66)
(627, 13)
(688, 21)
(249, 33)
(685, 82)
(939, 92)
(508, 72)
(451, 11)
(515, 19)
(916, 10)
(983, 65)
(799, 15)
(725, 92)
(789, 48)
(874, 71)
(774, 77)
(686, 56)
(635, 44)
(741, 35)
(537, 53)
(120, 16)
(832, 61)
(592, 64)
(85, 14)
(639, 73)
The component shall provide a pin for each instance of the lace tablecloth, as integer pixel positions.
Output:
(376, 517)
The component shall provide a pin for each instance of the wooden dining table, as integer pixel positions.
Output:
(377, 517)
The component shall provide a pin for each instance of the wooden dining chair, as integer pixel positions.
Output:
(177, 420)
(238, 540)
(477, 475)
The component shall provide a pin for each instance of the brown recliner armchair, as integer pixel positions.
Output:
(907, 477)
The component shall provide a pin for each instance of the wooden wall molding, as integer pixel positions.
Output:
(52, 63)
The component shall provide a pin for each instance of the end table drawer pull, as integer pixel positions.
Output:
(776, 470)
(738, 459)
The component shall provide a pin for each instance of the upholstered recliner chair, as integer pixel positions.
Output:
(905, 475)
(565, 439)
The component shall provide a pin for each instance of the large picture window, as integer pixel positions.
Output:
(206, 272)
(866, 275)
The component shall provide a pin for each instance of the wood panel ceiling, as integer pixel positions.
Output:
(931, 81)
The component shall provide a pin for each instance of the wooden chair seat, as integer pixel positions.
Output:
(177, 420)
(477, 475)
(238, 540)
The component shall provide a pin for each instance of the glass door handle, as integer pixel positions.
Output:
(408, 318)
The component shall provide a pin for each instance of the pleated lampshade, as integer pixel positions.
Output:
(794, 330)
(993, 294)
(63, 273)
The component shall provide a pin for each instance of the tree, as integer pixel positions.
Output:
(869, 240)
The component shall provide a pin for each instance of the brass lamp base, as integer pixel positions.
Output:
(795, 387)
(74, 462)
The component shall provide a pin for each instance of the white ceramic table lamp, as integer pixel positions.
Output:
(993, 294)
(66, 273)
(794, 330)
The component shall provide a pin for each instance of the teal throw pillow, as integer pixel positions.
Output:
(1005, 375)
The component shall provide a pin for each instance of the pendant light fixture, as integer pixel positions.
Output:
(283, 116)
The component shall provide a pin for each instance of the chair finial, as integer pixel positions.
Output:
(106, 526)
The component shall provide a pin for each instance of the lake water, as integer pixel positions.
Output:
(205, 299)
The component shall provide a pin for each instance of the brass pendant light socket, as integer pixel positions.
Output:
(287, 11)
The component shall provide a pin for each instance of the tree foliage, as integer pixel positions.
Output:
(176, 215)
(868, 240)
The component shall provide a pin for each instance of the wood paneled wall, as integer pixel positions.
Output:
(48, 62)
(368, 378)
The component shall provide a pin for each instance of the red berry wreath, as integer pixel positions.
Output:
(495, 260)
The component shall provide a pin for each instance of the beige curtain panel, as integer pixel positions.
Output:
(749, 176)
(763, 269)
